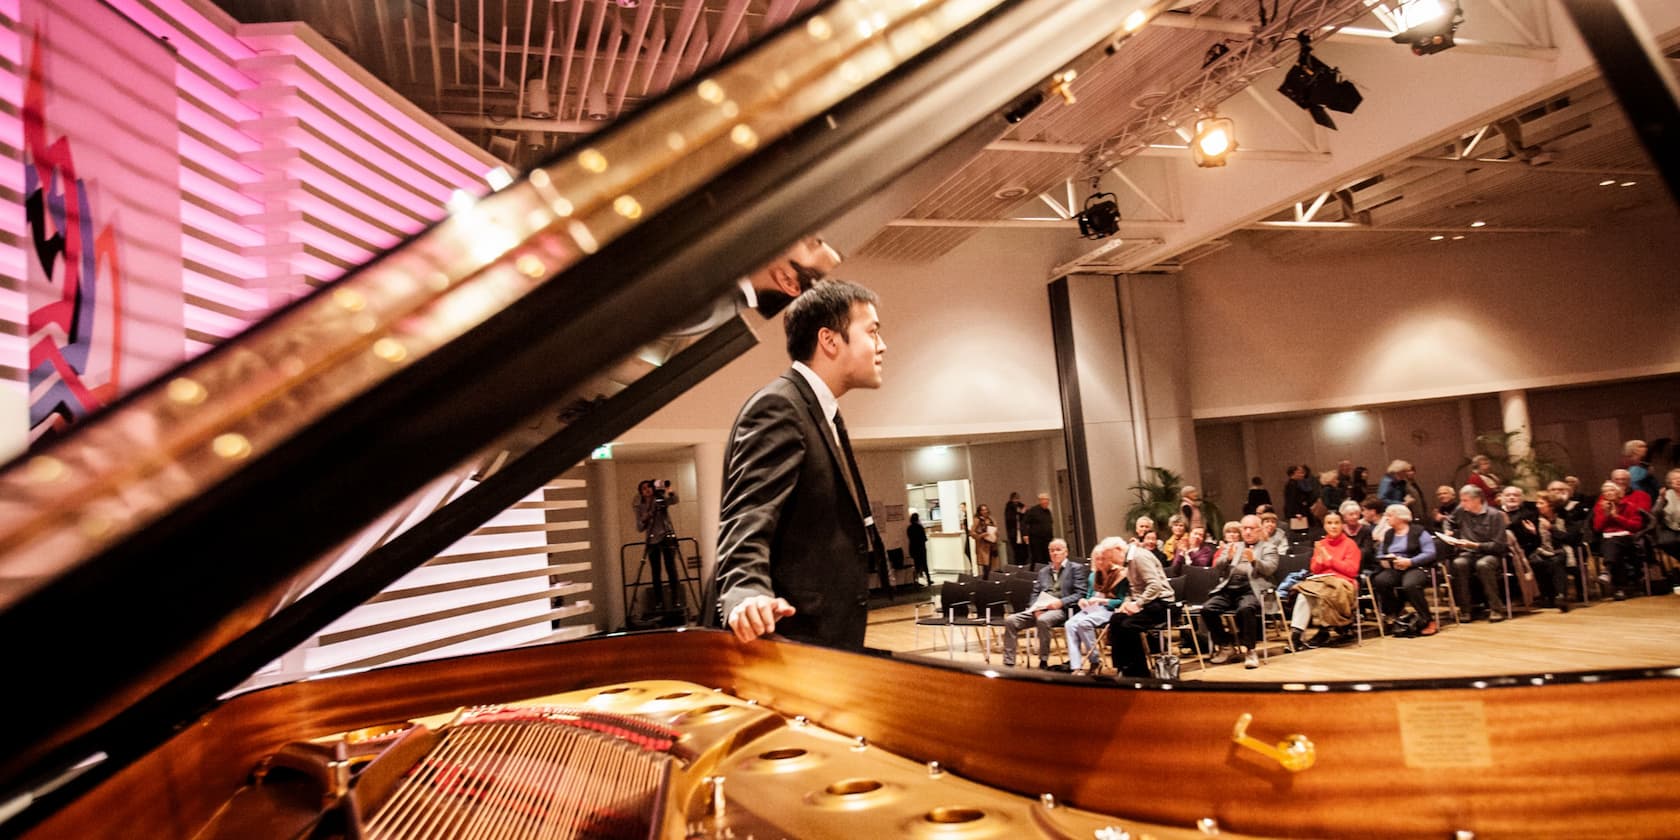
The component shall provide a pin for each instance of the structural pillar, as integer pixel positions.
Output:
(1513, 413)
(708, 488)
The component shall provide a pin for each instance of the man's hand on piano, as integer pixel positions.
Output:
(757, 616)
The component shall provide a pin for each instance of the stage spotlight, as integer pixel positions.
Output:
(1101, 217)
(1429, 26)
(1215, 137)
(1316, 86)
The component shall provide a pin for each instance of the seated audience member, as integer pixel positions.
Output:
(1371, 510)
(1152, 542)
(1477, 531)
(1177, 525)
(1056, 591)
(1550, 562)
(1667, 513)
(1244, 572)
(1360, 486)
(1270, 532)
(1522, 518)
(1406, 552)
(1145, 608)
(1193, 552)
(1095, 609)
(1329, 594)
(1446, 501)
(1142, 526)
(1257, 495)
(1635, 496)
(1575, 491)
(1617, 520)
(1355, 528)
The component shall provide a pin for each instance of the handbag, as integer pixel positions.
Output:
(1165, 666)
(1318, 509)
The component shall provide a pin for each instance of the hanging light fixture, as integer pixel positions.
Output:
(1214, 140)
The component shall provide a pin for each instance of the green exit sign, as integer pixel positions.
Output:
(602, 453)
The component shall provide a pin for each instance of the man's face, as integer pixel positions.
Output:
(863, 353)
(1574, 483)
(1511, 498)
(1471, 502)
(1622, 478)
(1150, 540)
(1345, 468)
(1251, 529)
(1444, 495)
(1058, 553)
(1044, 500)
(1142, 527)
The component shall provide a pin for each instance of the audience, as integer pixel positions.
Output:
(1144, 609)
(1143, 525)
(1405, 554)
(1549, 557)
(1328, 595)
(1101, 598)
(1623, 479)
(1270, 532)
(1244, 571)
(1176, 527)
(1355, 528)
(1056, 589)
(1478, 532)
(1446, 501)
(1483, 478)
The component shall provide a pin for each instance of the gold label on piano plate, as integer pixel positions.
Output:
(1437, 734)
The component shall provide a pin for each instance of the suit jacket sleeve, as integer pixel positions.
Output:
(759, 474)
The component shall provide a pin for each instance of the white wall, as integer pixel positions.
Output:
(968, 350)
(1507, 313)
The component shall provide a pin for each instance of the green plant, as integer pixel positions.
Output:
(1545, 461)
(1157, 498)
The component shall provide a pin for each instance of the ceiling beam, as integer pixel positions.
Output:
(1059, 224)
(1156, 150)
(1513, 163)
(1355, 227)
(521, 124)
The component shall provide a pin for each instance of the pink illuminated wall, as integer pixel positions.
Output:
(294, 166)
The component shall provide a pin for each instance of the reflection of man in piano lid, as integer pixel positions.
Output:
(772, 287)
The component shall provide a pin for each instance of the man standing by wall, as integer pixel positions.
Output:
(794, 537)
(1039, 527)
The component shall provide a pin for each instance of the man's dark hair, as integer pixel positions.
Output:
(827, 304)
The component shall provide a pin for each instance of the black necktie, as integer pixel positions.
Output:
(862, 499)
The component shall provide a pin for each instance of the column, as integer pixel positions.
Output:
(708, 486)
(1513, 413)
(604, 535)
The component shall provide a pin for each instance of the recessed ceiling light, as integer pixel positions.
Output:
(1608, 183)
(1478, 223)
(1010, 192)
(1436, 238)
(1629, 183)
(1458, 237)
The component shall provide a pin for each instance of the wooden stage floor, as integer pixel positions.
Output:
(1637, 633)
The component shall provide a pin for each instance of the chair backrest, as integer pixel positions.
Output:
(1198, 584)
(990, 593)
(1019, 593)
(965, 577)
(956, 597)
(1291, 563)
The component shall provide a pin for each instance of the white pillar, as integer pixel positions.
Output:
(605, 531)
(708, 486)
(1513, 413)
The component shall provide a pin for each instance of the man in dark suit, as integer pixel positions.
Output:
(1038, 527)
(794, 536)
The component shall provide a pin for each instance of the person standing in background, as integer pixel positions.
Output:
(1038, 526)
(915, 540)
(1257, 495)
(985, 534)
(1012, 511)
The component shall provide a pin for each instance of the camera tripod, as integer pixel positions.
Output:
(643, 608)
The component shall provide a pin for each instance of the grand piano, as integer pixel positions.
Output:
(335, 408)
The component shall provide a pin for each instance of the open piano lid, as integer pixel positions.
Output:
(113, 539)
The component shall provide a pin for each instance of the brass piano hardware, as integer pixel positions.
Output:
(853, 787)
(1208, 826)
(860, 743)
(716, 783)
(1048, 800)
(934, 770)
(946, 815)
(1063, 85)
(1295, 752)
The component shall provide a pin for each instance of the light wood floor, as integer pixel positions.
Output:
(1642, 632)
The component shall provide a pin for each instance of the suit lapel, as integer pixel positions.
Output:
(813, 407)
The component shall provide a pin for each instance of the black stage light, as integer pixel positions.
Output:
(1430, 27)
(1316, 86)
(1101, 217)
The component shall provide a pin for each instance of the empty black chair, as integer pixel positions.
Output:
(955, 608)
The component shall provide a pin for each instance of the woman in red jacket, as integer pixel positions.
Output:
(1330, 593)
(1617, 520)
